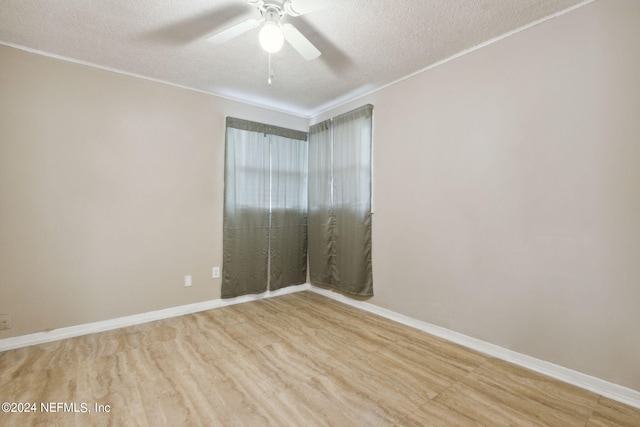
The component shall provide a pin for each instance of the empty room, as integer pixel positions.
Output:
(320, 213)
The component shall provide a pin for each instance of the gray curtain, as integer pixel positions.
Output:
(264, 230)
(340, 202)
(288, 247)
(321, 215)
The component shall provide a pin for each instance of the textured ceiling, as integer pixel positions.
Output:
(365, 44)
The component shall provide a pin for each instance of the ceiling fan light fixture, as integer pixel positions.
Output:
(271, 37)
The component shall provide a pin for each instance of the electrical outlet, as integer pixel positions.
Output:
(5, 321)
(187, 281)
(215, 272)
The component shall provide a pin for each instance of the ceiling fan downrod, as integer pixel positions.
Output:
(271, 73)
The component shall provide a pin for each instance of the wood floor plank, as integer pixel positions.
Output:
(609, 413)
(500, 400)
(108, 381)
(568, 402)
(334, 400)
(296, 360)
(435, 414)
(44, 388)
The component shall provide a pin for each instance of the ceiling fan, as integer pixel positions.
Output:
(273, 33)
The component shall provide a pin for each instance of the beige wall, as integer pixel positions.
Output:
(507, 192)
(110, 192)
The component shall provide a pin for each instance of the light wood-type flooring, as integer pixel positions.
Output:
(296, 360)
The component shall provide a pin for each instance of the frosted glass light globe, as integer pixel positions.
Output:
(271, 37)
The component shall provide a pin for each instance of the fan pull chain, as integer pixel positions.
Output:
(271, 74)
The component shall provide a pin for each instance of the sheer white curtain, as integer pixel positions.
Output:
(265, 208)
(340, 219)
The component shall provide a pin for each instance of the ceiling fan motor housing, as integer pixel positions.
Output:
(281, 6)
(271, 14)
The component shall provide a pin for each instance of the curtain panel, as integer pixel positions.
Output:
(340, 218)
(265, 208)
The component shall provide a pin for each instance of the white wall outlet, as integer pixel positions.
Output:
(187, 280)
(215, 272)
(5, 321)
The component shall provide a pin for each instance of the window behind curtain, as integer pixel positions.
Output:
(265, 208)
(340, 202)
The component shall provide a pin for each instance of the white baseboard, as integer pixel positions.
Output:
(613, 391)
(136, 319)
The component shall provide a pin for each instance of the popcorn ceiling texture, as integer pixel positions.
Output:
(365, 44)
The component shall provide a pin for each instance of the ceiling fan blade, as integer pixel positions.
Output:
(301, 7)
(233, 31)
(300, 42)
